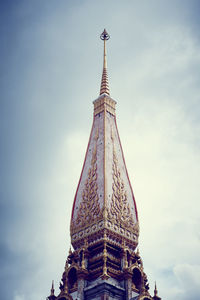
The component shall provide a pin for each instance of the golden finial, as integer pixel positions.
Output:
(65, 289)
(83, 259)
(105, 275)
(70, 250)
(104, 81)
(52, 288)
(155, 290)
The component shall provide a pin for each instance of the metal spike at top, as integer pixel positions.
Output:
(104, 81)
(155, 290)
(52, 288)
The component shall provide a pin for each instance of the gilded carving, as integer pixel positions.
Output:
(120, 212)
(89, 208)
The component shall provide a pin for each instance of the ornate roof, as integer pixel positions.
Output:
(104, 198)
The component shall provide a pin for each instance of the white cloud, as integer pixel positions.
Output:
(188, 275)
(19, 297)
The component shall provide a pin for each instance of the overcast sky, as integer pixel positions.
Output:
(50, 72)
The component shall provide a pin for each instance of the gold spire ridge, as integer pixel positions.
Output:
(104, 81)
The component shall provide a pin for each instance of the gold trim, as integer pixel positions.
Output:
(104, 166)
(104, 102)
(105, 275)
(114, 234)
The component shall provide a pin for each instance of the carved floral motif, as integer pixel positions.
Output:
(89, 208)
(119, 212)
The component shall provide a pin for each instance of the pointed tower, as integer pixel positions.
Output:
(52, 296)
(104, 263)
(156, 297)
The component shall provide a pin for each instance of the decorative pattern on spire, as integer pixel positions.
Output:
(104, 81)
(120, 211)
(89, 208)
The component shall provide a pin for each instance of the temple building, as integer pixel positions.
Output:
(104, 263)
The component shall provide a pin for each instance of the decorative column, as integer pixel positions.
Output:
(105, 274)
(81, 275)
(124, 260)
(128, 284)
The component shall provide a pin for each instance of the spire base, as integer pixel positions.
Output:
(104, 102)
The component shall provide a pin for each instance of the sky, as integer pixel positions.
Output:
(50, 72)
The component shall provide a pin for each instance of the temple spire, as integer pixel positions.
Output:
(104, 81)
(156, 297)
(52, 296)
